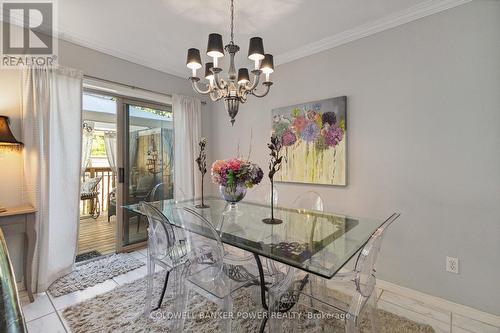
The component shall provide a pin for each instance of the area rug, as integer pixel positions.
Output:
(87, 256)
(120, 310)
(94, 272)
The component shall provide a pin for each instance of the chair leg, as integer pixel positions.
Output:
(227, 308)
(182, 293)
(312, 282)
(98, 208)
(374, 312)
(273, 323)
(139, 219)
(350, 324)
(163, 291)
(149, 288)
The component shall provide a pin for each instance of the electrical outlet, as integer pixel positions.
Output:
(452, 265)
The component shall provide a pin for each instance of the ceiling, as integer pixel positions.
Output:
(157, 33)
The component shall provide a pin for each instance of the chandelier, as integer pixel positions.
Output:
(238, 86)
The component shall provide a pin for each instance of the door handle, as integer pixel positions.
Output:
(121, 175)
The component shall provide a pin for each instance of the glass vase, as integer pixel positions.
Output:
(232, 195)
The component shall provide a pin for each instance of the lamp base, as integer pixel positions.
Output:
(272, 221)
(201, 206)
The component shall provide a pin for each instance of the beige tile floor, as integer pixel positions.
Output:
(45, 314)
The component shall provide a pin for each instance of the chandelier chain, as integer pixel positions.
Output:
(232, 21)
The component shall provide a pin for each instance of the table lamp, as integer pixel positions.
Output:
(7, 141)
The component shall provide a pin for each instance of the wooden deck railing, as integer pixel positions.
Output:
(107, 184)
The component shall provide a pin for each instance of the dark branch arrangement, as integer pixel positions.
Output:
(274, 166)
(201, 160)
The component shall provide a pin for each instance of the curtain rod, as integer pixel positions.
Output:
(129, 86)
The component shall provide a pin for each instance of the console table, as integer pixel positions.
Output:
(22, 219)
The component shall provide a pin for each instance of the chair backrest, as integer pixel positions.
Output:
(262, 194)
(90, 185)
(157, 193)
(309, 200)
(203, 243)
(161, 235)
(179, 194)
(365, 263)
(145, 183)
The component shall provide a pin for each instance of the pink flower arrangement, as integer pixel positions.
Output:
(236, 172)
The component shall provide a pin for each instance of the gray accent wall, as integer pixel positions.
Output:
(423, 121)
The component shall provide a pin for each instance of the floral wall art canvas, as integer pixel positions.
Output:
(314, 140)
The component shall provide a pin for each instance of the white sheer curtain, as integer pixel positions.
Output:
(187, 124)
(52, 134)
(110, 145)
(87, 139)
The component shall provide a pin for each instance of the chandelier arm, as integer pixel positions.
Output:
(265, 92)
(199, 90)
(242, 91)
(256, 79)
(215, 95)
(218, 82)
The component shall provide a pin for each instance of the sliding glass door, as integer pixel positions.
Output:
(146, 164)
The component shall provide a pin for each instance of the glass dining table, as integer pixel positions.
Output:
(314, 242)
(317, 242)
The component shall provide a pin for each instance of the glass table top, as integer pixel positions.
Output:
(317, 242)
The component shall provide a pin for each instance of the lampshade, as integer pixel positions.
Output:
(256, 49)
(193, 59)
(6, 136)
(208, 72)
(267, 65)
(243, 76)
(215, 49)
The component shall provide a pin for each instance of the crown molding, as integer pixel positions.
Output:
(388, 22)
(74, 38)
(127, 56)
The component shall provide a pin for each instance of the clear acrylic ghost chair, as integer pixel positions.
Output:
(237, 261)
(309, 200)
(262, 194)
(204, 271)
(358, 291)
(239, 265)
(165, 249)
(179, 194)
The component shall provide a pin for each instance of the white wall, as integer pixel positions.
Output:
(423, 139)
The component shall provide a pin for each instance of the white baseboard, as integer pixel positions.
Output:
(441, 303)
